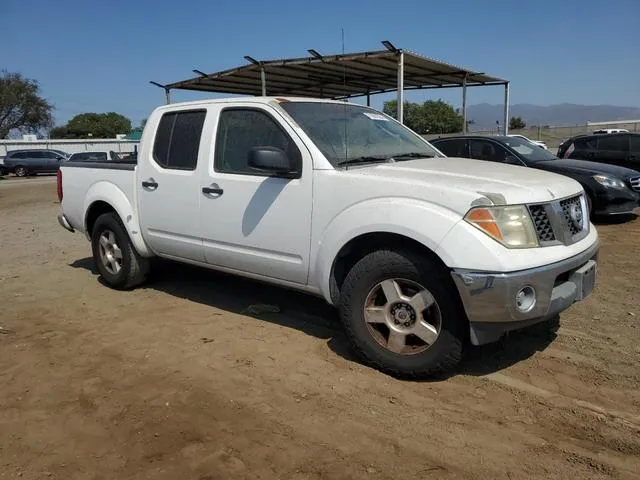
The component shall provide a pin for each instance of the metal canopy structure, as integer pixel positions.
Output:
(342, 76)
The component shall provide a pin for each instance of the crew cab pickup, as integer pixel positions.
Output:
(419, 253)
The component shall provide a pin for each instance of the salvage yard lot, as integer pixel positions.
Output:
(181, 379)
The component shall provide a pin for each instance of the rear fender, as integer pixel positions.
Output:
(109, 193)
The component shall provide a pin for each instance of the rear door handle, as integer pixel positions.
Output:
(150, 184)
(213, 190)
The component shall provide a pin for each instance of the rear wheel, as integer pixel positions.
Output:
(21, 171)
(119, 264)
(402, 314)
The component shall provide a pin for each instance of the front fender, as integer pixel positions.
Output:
(421, 221)
(109, 193)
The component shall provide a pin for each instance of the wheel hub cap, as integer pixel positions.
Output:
(402, 316)
(110, 253)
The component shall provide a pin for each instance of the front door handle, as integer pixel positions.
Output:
(213, 190)
(149, 184)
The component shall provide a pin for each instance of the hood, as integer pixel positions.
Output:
(500, 183)
(564, 165)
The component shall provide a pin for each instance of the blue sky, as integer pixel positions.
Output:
(100, 55)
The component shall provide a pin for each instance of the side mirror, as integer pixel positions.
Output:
(512, 160)
(271, 160)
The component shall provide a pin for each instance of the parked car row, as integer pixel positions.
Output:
(612, 187)
(30, 162)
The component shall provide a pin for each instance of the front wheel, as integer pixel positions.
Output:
(119, 264)
(402, 314)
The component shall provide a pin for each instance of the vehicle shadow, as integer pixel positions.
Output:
(314, 316)
(615, 219)
(511, 349)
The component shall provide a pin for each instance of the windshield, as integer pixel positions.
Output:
(528, 150)
(344, 132)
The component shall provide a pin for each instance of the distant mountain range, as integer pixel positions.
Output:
(485, 115)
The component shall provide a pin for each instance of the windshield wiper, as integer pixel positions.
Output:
(410, 155)
(385, 158)
(363, 159)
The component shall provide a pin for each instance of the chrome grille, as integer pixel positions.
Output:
(566, 209)
(542, 224)
(635, 183)
(553, 223)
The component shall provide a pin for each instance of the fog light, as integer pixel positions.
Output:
(525, 299)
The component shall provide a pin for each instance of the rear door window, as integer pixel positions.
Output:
(613, 143)
(487, 150)
(452, 148)
(178, 139)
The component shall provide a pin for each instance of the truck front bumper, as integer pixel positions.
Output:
(496, 303)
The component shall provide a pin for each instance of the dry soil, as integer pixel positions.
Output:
(180, 379)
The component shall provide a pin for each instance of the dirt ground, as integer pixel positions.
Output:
(178, 380)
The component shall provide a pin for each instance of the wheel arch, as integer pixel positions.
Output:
(363, 244)
(391, 222)
(105, 197)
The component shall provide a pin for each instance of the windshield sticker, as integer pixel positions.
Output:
(376, 116)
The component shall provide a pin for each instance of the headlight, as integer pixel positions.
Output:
(510, 225)
(609, 182)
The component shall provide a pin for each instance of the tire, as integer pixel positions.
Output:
(404, 269)
(110, 237)
(21, 171)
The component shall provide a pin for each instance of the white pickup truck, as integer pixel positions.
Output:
(420, 253)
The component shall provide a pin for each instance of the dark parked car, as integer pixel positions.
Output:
(31, 162)
(610, 189)
(621, 149)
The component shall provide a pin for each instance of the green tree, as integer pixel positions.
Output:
(433, 116)
(516, 123)
(96, 125)
(21, 106)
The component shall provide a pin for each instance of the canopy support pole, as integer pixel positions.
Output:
(464, 105)
(263, 78)
(505, 127)
(400, 101)
(368, 98)
(167, 94)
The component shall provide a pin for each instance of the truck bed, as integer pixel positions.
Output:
(86, 182)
